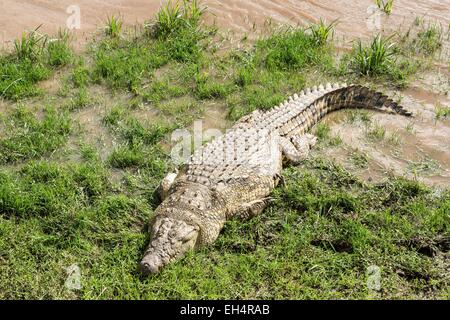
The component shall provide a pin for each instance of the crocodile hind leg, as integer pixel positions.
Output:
(297, 148)
(252, 209)
(306, 140)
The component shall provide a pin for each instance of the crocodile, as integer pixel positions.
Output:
(233, 175)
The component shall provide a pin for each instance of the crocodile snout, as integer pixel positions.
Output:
(150, 265)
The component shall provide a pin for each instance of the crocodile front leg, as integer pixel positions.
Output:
(164, 186)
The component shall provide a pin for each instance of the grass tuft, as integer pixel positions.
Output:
(175, 16)
(114, 26)
(322, 32)
(375, 59)
(80, 100)
(381, 59)
(376, 132)
(59, 51)
(169, 19)
(385, 6)
(442, 112)
(30, 46)
(80, 75)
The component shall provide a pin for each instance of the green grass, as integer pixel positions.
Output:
(175, 36)
(254, 97)
(59, 51)
(359, 158)
(425, 166)
(261, 77)
(39, 187)
(176, 16)
(177, 25)
(275, 68)
(316, 241)
(181, 113)
(163, 89)
(206, 88)
(376, 132)
(385, 6)
(26, 137)
(276, 60)
(134, 131)
(292, 49)
(169, 19)
(34, 58)
(20, 76)
(354, 115)
(127, 65)
(80, 100)
(322, 131)
(80, 76)
(422, 40)
(140, 142)
(429, 40)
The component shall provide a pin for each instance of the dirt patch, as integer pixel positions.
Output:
(216, 116)
(92, 130)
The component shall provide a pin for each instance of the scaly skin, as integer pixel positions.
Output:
(234, 174)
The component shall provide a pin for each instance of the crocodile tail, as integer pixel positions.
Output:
(352, 96)
(357, 96)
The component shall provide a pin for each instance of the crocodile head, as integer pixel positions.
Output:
(170, 239)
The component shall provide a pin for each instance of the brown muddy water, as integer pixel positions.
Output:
(417, 148)
(356, 18)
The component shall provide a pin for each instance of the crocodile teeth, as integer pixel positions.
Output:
(295, 96)
(328, 86)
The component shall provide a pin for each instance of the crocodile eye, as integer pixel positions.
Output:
(155, 227)
(188, 237)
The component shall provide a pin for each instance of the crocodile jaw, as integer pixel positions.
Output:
(170, 240)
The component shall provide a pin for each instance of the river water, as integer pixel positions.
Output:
(356, 18)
